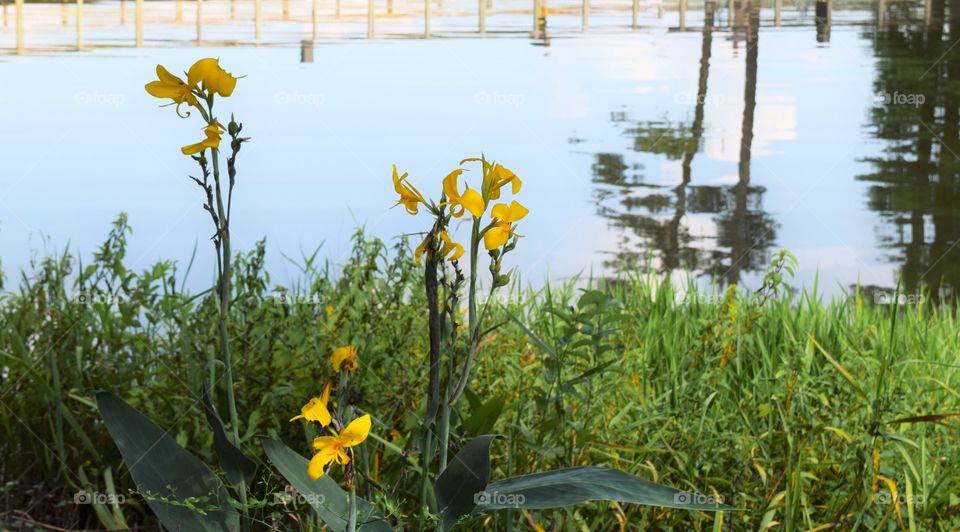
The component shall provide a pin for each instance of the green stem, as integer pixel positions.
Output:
(425, 459)
(352, 523)
(472, 309)
(224, 285)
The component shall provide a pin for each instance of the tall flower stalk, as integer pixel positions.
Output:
(205, 81)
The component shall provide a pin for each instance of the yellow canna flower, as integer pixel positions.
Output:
(470, 200)
(316, 408)
(502, 229)
(409, 196)
(333, 448)
(345, 357)
(497, 178)
(214, 78)
(450, 249)
(170, 86)
(213, 132)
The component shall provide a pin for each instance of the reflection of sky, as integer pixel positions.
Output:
(81, 141)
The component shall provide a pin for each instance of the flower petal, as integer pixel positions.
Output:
(356, 431)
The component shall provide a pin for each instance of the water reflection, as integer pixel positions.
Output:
(657, 220)
(916, 182)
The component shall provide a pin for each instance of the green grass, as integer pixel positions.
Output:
(779, 409)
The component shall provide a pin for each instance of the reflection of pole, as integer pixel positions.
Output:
(79, 24)
(370, 19)
(138, 23)
(19, 23)
(585, 15)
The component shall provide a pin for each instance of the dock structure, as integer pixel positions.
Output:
(38, 27)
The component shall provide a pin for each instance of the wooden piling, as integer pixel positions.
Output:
(314, 15)
(585, 15)
(179, 11)
(79, 24)
(371, 18)
(536, 19)
(138, 22)
(928, 11)
(19, 24)
(683, 15)
(730, 13)
(199, 21)
(777, 12)
(389, 7)
(123, 12)
(285, 10)
(64, 13)
(426, 19)
(337, 9)
(257, 19)
(483, 17)
(636, 13)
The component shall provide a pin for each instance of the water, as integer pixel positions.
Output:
(634, 146)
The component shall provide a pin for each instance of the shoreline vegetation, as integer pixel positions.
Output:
(799, 412)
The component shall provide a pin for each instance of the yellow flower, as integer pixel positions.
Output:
(449, 249)
(170, 86)
(333, 448)
(316, 408)
(497, 178)
(213, 132)
(409, 196)
(345, 357)
(214, 78)
(470, 200)
(502, 229)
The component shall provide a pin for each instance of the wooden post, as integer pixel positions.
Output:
(123, 12)
(777, 11)
(426, 19)
(179, 11)
(337, 9)
(683, 15)
(257, 19)
(19, 24)
(389, 7)
(536, 19)
(927, 11)
(636, 13)
(5, 17)
(286, 9)
(370, 19)
(64, 13)
(730, 13)
(79, 24)
(314, 15)
(585, 15)
(138, 22)
(483, 16)
(199, 20)
(233, 10)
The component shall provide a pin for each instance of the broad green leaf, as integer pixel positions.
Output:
(330, 501)
(180, 489)
(482, 419)
(565, 487)
(461, 484)
(236, 466)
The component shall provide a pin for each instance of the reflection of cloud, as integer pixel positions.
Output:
(775, 120)
(841, 262)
